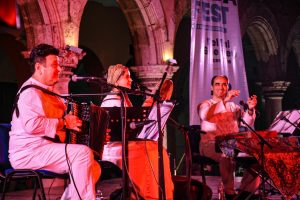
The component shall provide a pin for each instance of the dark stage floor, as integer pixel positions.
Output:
(108, 186)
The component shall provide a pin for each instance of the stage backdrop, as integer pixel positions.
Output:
(216, 49)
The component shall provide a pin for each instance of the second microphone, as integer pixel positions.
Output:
(134, 125)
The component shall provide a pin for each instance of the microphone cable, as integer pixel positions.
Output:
(71, 172)
(148, 156)
(50, 187)
(153, 126)
(151, 166)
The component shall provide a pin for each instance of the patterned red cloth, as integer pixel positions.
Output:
(281, 162)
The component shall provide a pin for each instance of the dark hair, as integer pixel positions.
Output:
(39, 53)
(217, 76)
(221, 76)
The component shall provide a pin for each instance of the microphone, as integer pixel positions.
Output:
(171, 61)
(246, 107)
(76, 78)
(140, 86)
(134, 125)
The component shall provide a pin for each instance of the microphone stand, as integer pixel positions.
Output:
(188, 153)
(125, 190)
(123, 91)
(123, 132)
(156, 98)
(262, 143)
(124, 149)
(90, 94)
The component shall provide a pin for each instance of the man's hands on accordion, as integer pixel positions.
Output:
(69, 121)
(72, 122)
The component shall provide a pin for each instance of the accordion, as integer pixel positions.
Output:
(94, 124)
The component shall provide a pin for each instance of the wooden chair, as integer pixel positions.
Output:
(195, 137)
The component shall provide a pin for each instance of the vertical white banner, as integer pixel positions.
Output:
(216, 49)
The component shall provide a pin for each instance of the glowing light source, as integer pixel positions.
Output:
(71, 40)
(71, 35)
(167, 54)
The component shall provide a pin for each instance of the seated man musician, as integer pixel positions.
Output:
(39, 115)
(218, 116)
(142, 154)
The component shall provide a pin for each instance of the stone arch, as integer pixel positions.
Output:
(261, 32)
(263, 39)
(291, 66)
(152, 25)
(105, 30)
(293, 42)
(259, 23)
(146, 20)
(52, 22)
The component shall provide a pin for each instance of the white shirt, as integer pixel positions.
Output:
(115, 101)
(217, 118)
(39, 117)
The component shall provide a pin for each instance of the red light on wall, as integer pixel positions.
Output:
(8, 12)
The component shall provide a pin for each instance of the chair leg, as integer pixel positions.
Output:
(34, 189)
(38, 184)
(202, 173)
(5, 184)
(41, 187)
(66, 183)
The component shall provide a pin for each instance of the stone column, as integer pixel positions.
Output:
(151, 76)
(68, 60)
(273, 94)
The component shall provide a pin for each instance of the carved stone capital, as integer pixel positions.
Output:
(275, 90)
(273, 94)
(68, 60)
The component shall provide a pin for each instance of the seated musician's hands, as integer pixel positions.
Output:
(231, 94)
(252, 101)
(107, 136)
(73, 122)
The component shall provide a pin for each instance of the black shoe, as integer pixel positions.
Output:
(230, 196)
(244, 195)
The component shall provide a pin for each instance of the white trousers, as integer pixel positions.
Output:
(86, 171)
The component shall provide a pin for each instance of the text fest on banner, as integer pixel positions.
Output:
(216, 48)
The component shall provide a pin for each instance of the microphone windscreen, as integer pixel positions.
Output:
(172, 61)
(132, 125)
(74, 78)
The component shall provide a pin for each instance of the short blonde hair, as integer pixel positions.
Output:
(115, 72)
